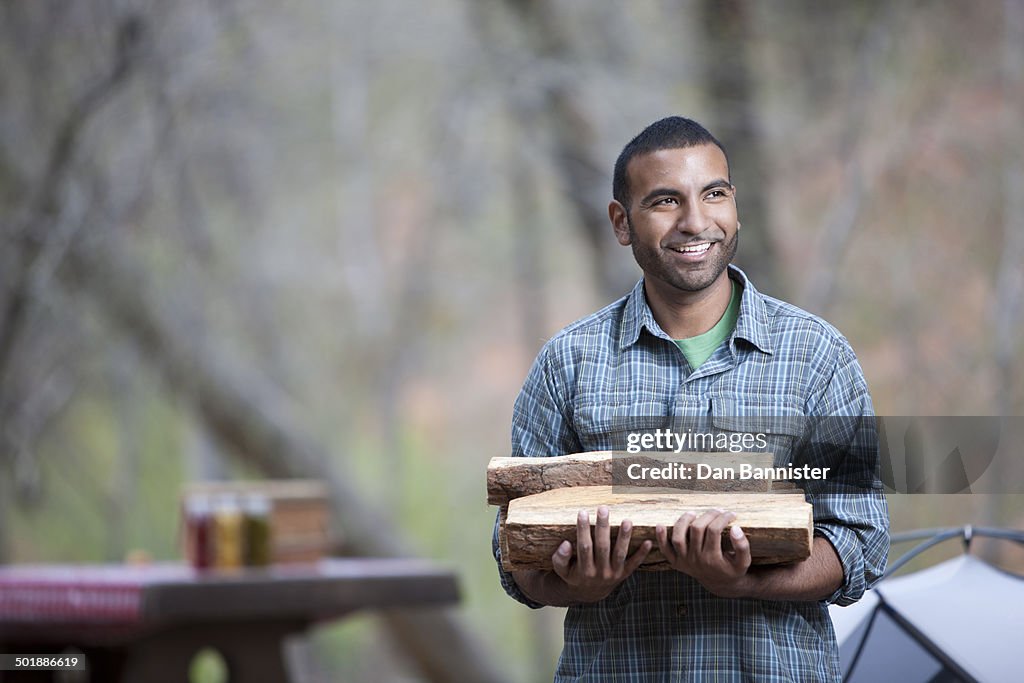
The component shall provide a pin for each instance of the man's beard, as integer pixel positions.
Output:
(655, 265)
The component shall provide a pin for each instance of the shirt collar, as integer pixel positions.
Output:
(751, 325)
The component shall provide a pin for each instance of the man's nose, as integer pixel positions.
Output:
(692, 219)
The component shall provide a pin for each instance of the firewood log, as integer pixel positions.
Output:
(509, 478)
(779, 526)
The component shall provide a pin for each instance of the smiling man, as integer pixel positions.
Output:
(695, 339)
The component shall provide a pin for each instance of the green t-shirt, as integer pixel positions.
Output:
(698, 349)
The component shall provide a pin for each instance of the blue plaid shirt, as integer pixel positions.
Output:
(664, 626)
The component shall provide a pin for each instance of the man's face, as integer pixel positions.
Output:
(682, 221)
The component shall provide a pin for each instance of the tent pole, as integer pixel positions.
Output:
(928, 645)
(860, 646)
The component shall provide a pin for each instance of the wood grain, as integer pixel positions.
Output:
(779, 526)
(510, 478)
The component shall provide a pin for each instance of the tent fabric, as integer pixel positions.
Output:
(847, 620)
(968, 611)
(892, 654)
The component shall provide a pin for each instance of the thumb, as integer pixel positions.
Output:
(561, 558)
(741, 548)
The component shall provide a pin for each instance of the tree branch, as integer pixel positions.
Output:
(252, 420)
(31, 236)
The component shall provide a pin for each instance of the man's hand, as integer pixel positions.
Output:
(597, 568)
(696, 549)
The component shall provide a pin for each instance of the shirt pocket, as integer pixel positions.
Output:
(774, 425)
(607, 426)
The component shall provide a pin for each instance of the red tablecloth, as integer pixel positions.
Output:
(117, 594)
(99, 594)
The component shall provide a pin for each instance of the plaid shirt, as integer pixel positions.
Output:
(664, 626)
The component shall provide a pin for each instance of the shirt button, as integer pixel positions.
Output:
(681, 609)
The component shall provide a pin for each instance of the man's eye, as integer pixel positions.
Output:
(666, 200)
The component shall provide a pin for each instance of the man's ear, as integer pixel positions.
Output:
(738, 224)
(620, 222)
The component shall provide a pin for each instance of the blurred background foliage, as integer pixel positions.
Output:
(327, 239)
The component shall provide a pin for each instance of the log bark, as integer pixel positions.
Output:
(779, 526)
(510, 478)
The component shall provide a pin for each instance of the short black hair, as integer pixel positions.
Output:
(672, 132)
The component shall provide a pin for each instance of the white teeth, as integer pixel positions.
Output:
(697, 249)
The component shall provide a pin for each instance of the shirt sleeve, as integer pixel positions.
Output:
(540, 427)
(850, 509)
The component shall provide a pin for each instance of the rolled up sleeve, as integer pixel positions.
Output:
(507, 582)
(857, 526)
(850, 511)
(540, 428)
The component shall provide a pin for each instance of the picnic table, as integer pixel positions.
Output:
(145, 623)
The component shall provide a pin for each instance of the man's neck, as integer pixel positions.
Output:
(687, 314)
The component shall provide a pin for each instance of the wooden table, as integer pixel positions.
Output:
(145, 623)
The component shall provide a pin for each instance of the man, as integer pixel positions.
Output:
(696, 339)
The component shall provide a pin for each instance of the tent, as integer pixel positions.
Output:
(961, 620)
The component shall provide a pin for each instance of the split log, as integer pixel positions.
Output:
(510, 478)
(502, 535)
(778, 526)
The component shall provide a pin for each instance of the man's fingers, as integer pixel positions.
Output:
(602, 539)
(713, 534)
(584, 543)
(622, 544)
(741, 549)
(661, 533)
(697, 535)
(638, 558)
(560, 560)
(680, 533)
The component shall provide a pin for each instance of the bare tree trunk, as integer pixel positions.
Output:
(1009, 285)
(555, 115)
(529, 254)
(574, 149)
(589, 188)
(6, 491)
(202, 460)
(246, 415)
(251, 420)
(125, 481)
(544, 637)
(1008, 304)
(354, 211)
(732, 99)
(841, 220)
(28, 234)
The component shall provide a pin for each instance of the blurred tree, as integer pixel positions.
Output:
(41, 221)
(550, 113)
(246, 415)
(1007, 307)
(254, 422)
(1008, 303)
(859, 179)
(299, 232)
(727, 33)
